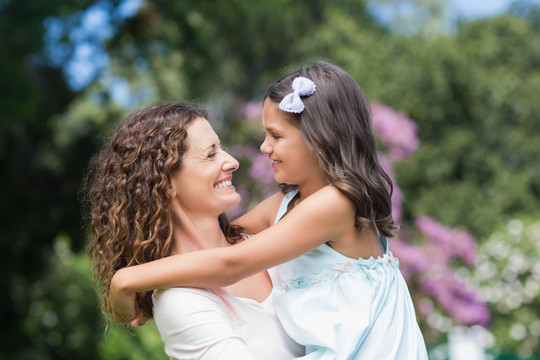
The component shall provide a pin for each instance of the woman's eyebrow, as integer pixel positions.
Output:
(212, 146)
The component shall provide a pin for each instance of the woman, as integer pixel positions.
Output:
(160, 184)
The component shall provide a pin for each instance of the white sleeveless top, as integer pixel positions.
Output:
(215, 325)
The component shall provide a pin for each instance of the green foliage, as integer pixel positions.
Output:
(485, 141)
(63, 319)
(508, 276)
(59, 320)
(473, 99)
(38, 201)
(141, 343)
(472, 92)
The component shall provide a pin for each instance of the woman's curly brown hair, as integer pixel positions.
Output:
(129, 181)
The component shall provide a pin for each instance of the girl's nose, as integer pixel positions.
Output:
(265, 148)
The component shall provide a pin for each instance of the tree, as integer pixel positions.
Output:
(40, 179)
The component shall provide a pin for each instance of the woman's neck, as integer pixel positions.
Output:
(192, 234)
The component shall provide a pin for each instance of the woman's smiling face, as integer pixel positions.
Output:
(204, 183)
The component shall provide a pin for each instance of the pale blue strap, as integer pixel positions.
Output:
(284, 203)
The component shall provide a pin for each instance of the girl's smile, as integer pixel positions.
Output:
(275, 163)
(292, 161)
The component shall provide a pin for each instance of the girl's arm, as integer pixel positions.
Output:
(261, 216)
(314, 221)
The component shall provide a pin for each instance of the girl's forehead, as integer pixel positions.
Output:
(273, 116)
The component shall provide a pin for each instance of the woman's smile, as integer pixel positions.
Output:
(224, 184)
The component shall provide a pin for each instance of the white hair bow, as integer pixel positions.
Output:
(301, 87)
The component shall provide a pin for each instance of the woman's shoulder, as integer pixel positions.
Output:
(190, 299)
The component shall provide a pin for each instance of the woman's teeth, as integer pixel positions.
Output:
(223, 184)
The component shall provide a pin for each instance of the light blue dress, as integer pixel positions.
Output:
(345, 308)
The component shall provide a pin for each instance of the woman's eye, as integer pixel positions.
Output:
(211, 155)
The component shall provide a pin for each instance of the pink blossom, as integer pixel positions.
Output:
(260, 170)
(429, 264)
(252, 110)
(263, 173)
(412, 259)
(246, 151)
(455, 242)
(395, 130)
(461, 302)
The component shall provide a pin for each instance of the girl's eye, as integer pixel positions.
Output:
(274, 136)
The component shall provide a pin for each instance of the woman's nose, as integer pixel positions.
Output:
(230, 164)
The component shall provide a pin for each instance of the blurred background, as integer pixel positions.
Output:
(454, 87)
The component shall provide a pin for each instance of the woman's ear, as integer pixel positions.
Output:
(172, 191)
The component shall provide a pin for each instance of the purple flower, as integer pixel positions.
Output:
(430, 265)
(427, 265)
(261, 169)
(395, 130)
(454, 242)
(459, 300)
(246, 151)
(263, 173)
(252, 110)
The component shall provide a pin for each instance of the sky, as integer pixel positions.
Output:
(482, 8)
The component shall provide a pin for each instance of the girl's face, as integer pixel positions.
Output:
(292, 161)
(204, 183)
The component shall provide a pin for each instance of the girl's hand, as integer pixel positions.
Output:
(122, 304)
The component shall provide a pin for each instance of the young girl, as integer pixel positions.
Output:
(337, 287)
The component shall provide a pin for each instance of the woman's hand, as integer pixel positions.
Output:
(122, 302)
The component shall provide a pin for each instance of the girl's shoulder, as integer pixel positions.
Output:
(332, 198)
(326, 204)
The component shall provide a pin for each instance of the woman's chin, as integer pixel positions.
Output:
(232, 200)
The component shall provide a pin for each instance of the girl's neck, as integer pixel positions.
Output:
(310, 188)
(197, 234)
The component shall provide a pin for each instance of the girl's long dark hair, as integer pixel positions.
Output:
(336, 126)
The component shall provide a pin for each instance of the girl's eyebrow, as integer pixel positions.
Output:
(270, 129)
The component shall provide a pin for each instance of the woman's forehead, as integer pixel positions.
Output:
(201, 135)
